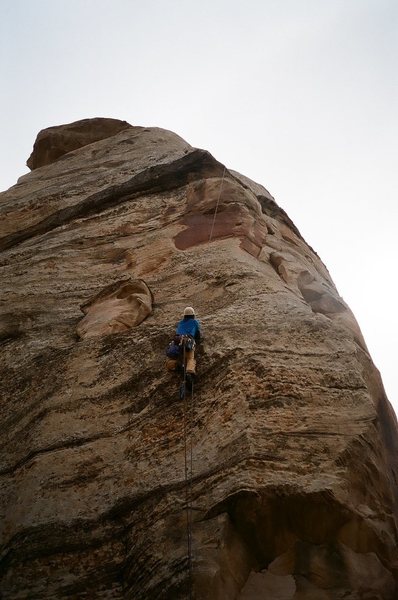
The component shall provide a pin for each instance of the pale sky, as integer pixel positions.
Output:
(299, 95)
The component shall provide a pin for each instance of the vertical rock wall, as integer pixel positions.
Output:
(294, 444)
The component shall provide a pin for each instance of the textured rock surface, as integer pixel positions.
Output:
(54, 142)
(294, 443)
(119, 307)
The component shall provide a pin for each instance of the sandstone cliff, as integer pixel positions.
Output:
(294, 444)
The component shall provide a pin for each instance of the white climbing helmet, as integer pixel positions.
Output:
(189, 311)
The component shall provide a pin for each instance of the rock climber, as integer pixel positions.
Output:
(188, 333)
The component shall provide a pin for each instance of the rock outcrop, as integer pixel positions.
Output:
(54, 142)
(119, 307)
(292, 444)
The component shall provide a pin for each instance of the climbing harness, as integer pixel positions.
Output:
(216, 209)
(188, 465)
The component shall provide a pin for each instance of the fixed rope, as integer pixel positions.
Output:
(216, 209)
(188, 465)
(188, 457)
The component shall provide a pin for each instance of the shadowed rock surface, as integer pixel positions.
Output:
(294, 444)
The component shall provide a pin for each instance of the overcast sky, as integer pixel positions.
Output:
(299, 95)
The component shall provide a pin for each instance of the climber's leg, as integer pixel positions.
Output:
(190, 362)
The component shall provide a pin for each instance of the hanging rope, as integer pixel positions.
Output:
(216, 209)
(188, 471)
(189, 468)
(190, 490)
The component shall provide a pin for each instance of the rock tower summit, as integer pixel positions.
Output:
(294, 490)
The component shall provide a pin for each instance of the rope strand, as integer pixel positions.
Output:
(190, 483)
(216, 209)
(188, 475)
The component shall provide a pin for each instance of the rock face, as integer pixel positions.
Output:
(54, 142)
(119, 307)
(290, 440)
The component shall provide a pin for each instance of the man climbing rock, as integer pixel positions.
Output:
(183, 346)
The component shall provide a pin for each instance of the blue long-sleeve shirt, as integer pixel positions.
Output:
(189, 326)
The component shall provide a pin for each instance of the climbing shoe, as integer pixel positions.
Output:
(189, 379)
